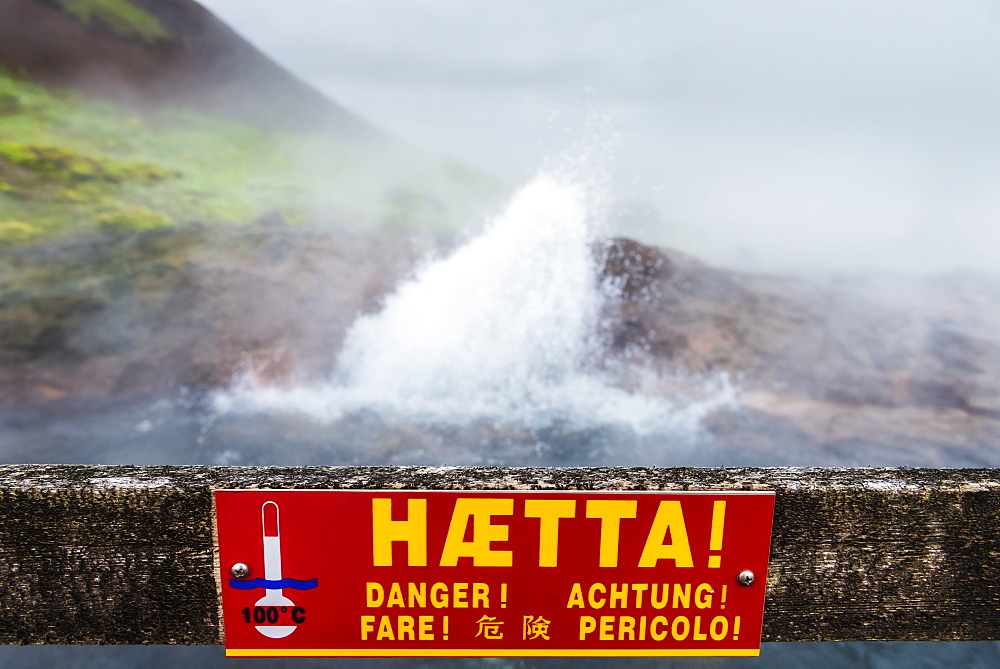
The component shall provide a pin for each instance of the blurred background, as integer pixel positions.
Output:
(779, 135)
(712, 233)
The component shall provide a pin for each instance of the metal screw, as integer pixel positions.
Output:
(240, 570)
(746, 577)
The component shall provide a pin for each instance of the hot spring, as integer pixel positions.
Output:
(496, 352)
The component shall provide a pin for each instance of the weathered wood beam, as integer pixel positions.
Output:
(125, 555)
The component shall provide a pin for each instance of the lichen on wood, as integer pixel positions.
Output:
(125, 554)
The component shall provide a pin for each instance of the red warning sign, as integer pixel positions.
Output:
(376, 573)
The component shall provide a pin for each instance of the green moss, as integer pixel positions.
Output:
(66, 161)
(134, 218)
(142, 172)
(405, 208)
(56, 163)
(19, 154)
(78, 195)
(9, 104)
(10, 190)
(123, 17)
(20, 97)
(18, 231)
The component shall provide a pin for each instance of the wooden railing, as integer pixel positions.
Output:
(126, 555)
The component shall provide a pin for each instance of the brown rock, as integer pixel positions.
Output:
(135, 314)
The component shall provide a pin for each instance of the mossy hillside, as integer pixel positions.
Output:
(121, 16)
(60, 189)
(67, 163)
(65, 166)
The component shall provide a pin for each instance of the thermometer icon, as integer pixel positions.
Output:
(271, 531)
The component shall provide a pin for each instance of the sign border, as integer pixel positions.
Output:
(516, 652)
(468, 652)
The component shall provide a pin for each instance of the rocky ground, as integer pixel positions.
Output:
(909, 368)
(117, 315)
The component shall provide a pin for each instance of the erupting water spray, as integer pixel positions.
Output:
(504, 330)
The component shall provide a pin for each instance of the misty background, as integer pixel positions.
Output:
(776, 135)
(281, 284)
